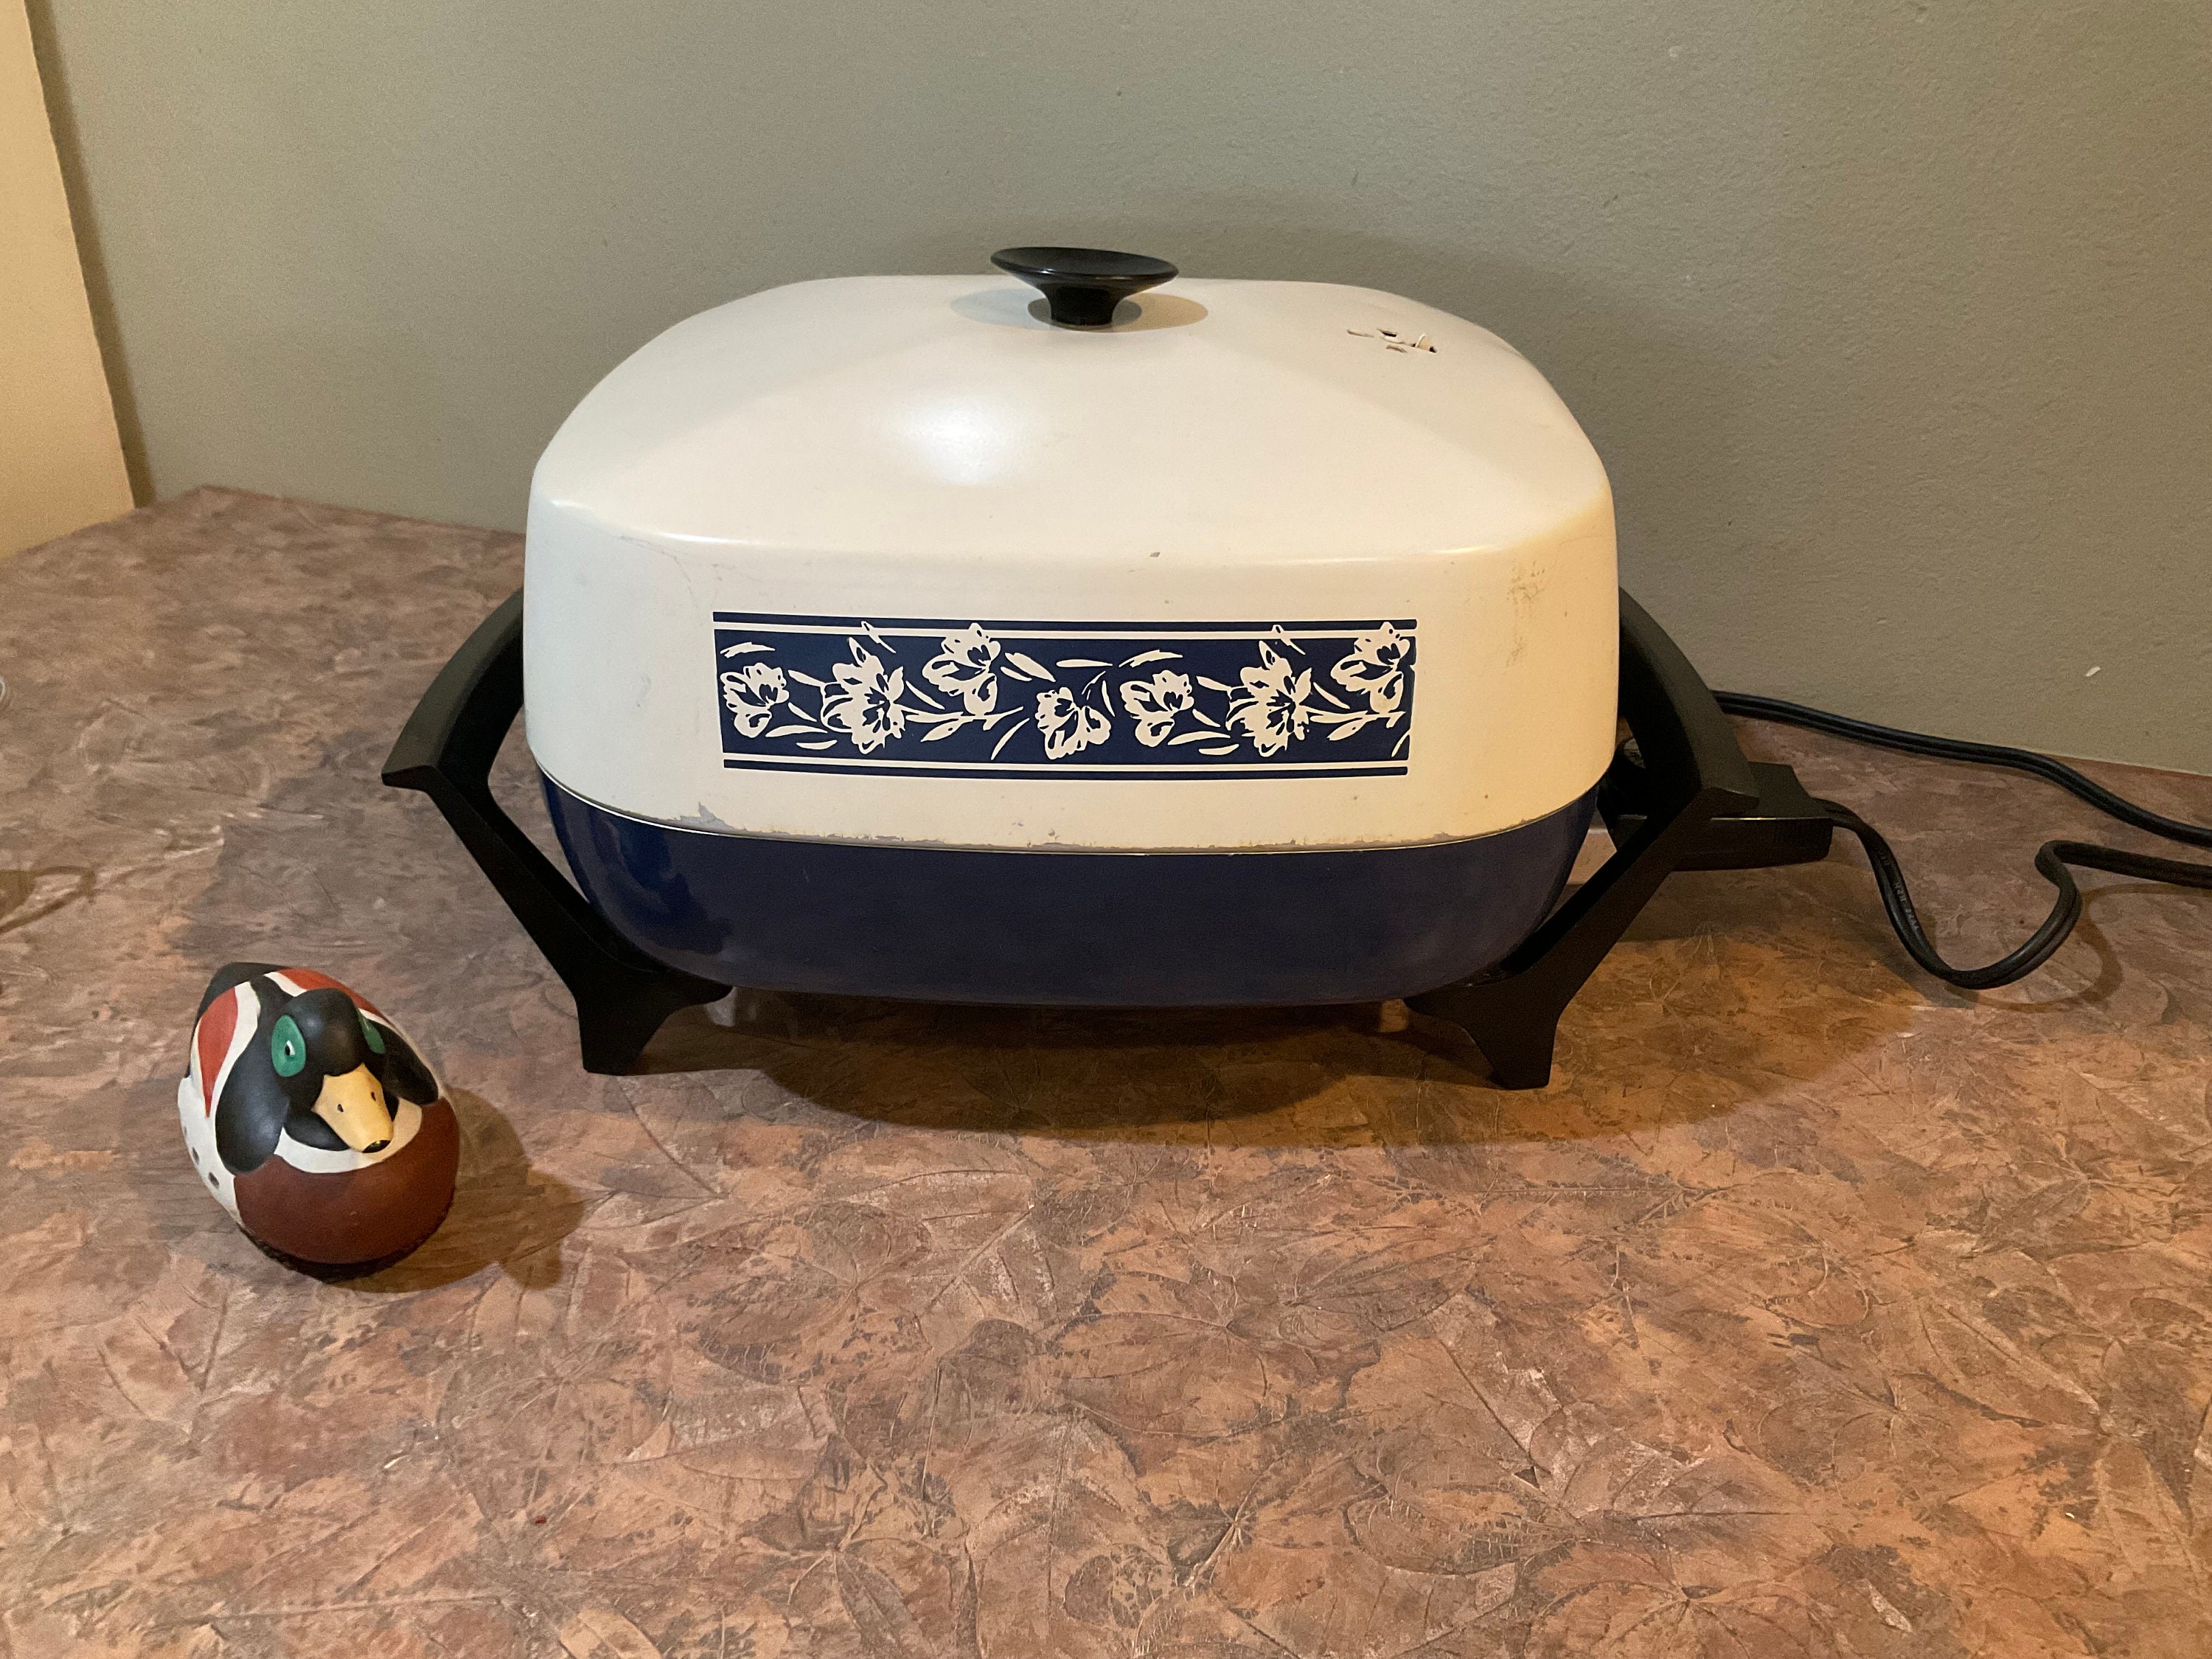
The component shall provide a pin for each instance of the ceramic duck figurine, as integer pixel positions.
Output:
(314, 1123)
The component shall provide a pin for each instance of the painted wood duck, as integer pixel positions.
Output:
(314, 1123)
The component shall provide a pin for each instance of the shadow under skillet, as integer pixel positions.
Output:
(1256, 1074)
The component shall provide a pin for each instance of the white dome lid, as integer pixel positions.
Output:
(947, 416)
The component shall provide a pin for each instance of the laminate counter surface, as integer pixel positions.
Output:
(1815, 1310)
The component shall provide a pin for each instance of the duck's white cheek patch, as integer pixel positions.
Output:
(199, 1145)
(316, 1160)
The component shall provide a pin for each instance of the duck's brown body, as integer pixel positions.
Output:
(358, 1217)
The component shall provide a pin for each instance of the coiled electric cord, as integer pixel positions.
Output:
(2051, 859)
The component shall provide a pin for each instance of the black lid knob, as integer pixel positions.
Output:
(1082, 285)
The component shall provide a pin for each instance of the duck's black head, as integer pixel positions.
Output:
(319, 1069)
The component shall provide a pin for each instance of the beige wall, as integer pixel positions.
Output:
(1894, 321)
(61, 464)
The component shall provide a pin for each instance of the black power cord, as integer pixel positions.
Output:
(2051, 860)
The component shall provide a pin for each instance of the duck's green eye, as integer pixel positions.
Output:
(287, 1049)
(373, 1037)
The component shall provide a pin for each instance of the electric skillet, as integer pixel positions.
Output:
(1087, 636)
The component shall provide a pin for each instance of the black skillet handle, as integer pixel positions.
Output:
(445, 750)
(1684, 744)
(1687, 744)
(453, 736)
(1692, 770)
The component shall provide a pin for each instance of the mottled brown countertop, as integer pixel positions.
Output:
(1815, 1310)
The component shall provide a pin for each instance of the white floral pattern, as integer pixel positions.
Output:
(752, 693)
(964, 667)
(1230, 698)
(1273, 709)
(1155, 704)
(866, 707)
(1068, 727)
(1375, 670)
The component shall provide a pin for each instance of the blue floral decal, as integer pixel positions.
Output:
(842, 694)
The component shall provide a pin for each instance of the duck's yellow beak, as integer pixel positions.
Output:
(354, 1106)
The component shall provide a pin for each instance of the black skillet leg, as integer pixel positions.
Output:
(446, 752)
(1512, 1020)
(617, 1019)
(1692, 770)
